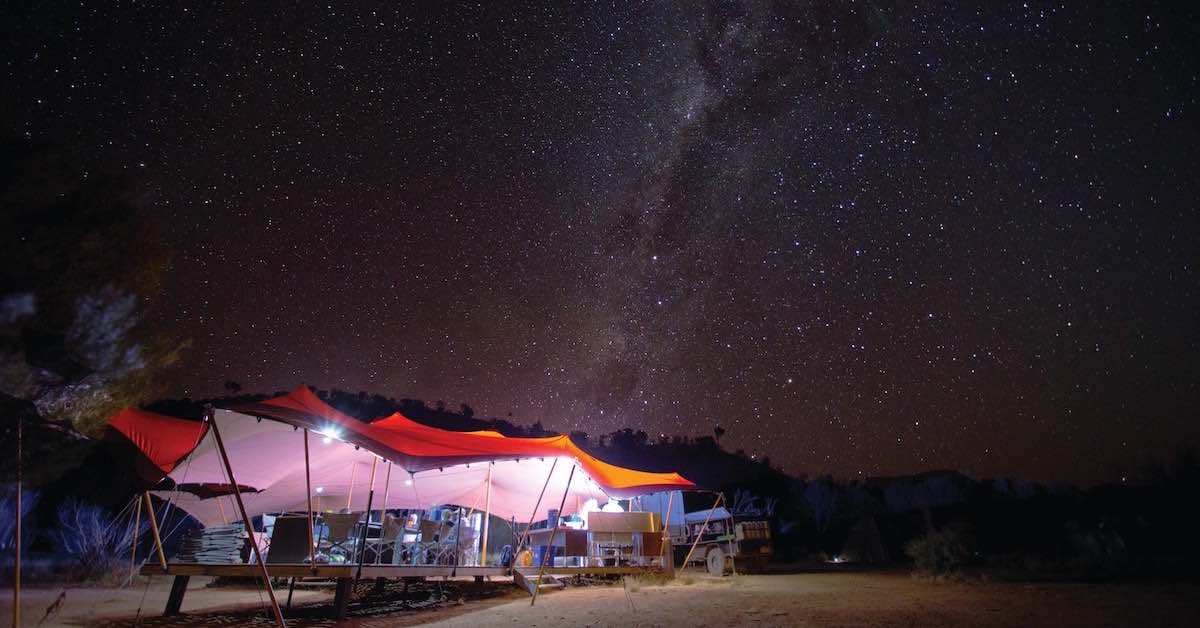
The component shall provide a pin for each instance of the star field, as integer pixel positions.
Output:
(865, 238)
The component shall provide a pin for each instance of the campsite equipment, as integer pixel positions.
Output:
(339, 538)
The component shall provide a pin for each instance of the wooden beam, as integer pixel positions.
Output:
(372, 571)
(16, 613)
(137, 525)
(487, 514)
(341, 597)
(237, 493)
(665, 549)
(175, 599)
(703, 528)
(249, 570)
(162, 556)
(312, 545)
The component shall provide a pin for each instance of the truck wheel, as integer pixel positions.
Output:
(716, 561)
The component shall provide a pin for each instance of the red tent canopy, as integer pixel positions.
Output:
(165, 440)
(417, 447)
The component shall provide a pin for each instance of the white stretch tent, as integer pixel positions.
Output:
(268, 458)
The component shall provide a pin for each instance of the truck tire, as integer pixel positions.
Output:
(716, 561)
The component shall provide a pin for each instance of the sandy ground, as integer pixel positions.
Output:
(852, 599)
(807, 599)
(85, 605)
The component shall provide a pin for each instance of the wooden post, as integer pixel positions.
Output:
(350, 493)
(312, 546)
(665, 549)
(487, 514)
(732, 537)
(702, 529)
(341, 597)
(525, 534)
(550, 544)
(237, 494)
(162, 556)
(387, 485)
(16, 615)
(137, 524)
(175, 598)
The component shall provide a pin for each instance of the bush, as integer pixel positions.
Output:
(87, 532)
(942, 552)
(8, 517)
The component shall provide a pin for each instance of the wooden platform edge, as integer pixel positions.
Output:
(288, 570)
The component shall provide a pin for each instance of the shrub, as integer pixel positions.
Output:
(8, 517)
(86, 531)
(941, 552)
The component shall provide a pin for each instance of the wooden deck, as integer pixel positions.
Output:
(300, 570)
(344, 575)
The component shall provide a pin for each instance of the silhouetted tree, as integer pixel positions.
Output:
(821, 498)
(467, 411)
(232, 387)
(718, 432)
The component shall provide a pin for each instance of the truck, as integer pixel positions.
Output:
(725, 544)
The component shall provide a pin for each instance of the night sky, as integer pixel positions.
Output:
(865, 238)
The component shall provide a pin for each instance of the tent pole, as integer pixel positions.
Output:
(666, 536)
(137, 524)
(350, 493)
(550, 544)
(162, 556)
(732, 533)
(366, 529)
(237, 494)
(221, 507)
(312, 548)
(703, 528)
(525, 534)
(387, 485)
(16, 615)
(487, 514)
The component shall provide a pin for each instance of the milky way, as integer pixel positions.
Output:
(864, 238)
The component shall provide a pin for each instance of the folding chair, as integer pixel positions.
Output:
(465, 537)
(428, 551)
(390, 531)
(289, 540)
(339, 536)
(409, 544)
